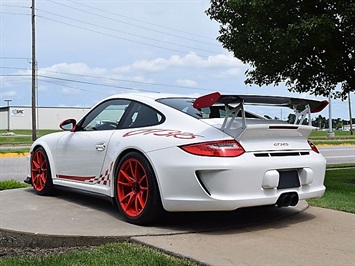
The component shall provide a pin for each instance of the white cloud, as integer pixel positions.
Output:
(42, 88)
(74, 68)
(70, 91)
(9, 94)
(186, 83)
(191, 60)
(232, 72)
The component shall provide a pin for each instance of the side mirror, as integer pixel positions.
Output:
(68, 124)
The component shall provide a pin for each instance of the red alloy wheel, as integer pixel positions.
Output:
(39, 170)
(132, 187)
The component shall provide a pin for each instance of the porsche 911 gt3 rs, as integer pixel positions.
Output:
(156, 152)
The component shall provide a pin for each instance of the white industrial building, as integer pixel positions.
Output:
(20, 117)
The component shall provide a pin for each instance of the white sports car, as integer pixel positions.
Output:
(156, 152)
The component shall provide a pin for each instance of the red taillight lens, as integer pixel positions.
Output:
(222, 148)
(313, 147)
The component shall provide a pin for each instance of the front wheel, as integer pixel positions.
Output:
(41, 173)
(136, 190)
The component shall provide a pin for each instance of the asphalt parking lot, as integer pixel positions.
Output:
(298, 235)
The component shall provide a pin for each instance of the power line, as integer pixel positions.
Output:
(94, 83)
(118, 31)
(15, 75)
(13, 13)
(124, 80)
(134, 25)
(67, 86)
(96, 77)
(15, 6)
(14, 58)
(119, 37)
(114, 36)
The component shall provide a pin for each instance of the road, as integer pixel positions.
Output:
(338, 154)
(13, 168)
(16, 167)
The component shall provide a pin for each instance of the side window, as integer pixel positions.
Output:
(141, 115)
(106, 116)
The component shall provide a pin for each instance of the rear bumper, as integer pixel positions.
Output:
(195, 183)
(230, 205)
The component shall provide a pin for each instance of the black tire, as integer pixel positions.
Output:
(136, 190)
(41, 177)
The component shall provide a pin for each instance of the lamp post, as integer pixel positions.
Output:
(8, 114)
(330, 133)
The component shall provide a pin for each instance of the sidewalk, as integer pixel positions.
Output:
(314, 237)
(253, 236)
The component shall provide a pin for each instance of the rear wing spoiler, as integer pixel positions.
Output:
(301, 107)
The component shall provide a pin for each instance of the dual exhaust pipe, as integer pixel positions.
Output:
(287, 199)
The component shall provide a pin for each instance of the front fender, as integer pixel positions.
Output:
(38, 143)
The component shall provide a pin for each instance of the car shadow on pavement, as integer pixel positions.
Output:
(270, 216)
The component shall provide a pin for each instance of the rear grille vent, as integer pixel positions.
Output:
(280, 154)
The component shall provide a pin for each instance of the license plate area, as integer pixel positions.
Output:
(288, 179)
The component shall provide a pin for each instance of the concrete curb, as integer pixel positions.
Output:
(13, 154)
(15, 239)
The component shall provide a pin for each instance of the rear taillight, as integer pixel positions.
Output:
(222, 148)
(313, 147)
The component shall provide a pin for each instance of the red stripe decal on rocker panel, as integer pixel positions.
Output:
(103, 179)
(76, 178)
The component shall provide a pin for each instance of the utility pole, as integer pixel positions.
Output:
(34, 126)
(8, 114)
(351, 119)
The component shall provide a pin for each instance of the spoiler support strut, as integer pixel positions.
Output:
(231, 114)
(301, 115)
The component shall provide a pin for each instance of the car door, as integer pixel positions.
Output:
(79, 155)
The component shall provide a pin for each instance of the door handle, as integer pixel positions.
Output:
(100, 146)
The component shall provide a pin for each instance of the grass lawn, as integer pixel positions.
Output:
(110, 254)
(11, 184)
(340, 192)
(318, 134)
(340, 138)
(23, 151)
(21, 137)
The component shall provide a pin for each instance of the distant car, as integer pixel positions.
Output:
(156, 152)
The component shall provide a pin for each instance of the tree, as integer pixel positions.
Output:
(308, 44)
(338, 126)
(320, 122)
(291, 118)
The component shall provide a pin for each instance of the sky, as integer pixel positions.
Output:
(88, 50)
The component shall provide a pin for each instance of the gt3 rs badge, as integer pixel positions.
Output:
(163, 133)
(279, 144)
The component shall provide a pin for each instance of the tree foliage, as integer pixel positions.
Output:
(308, 44)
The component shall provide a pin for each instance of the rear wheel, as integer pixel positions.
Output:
(136, 191)
(41, 173)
